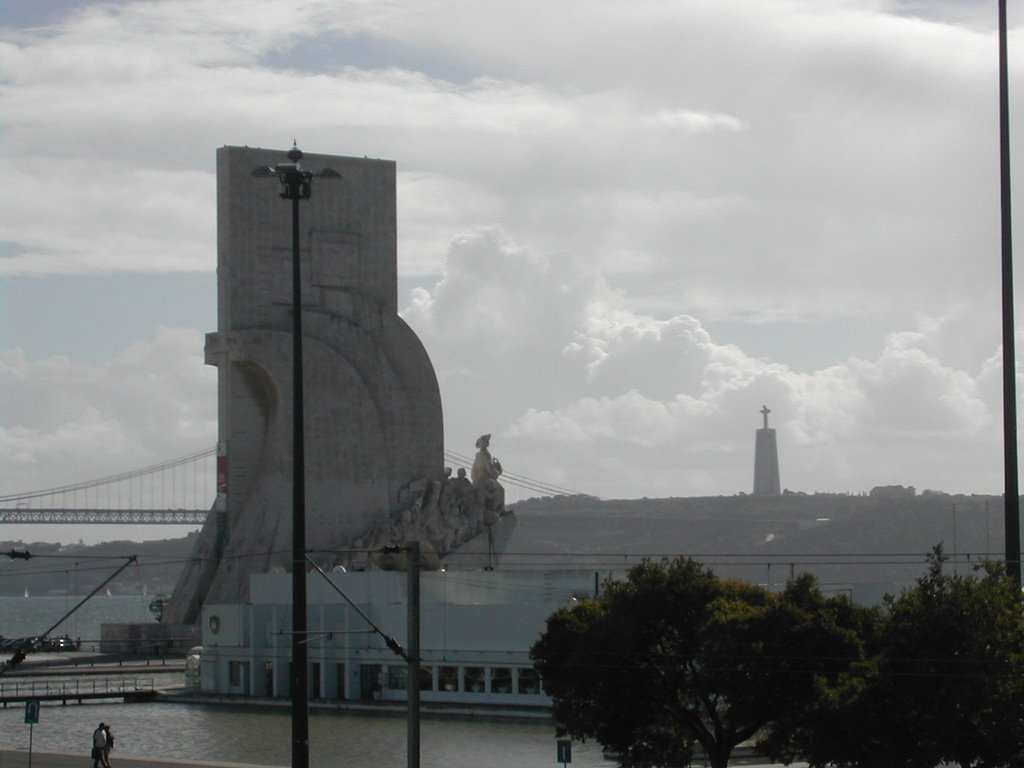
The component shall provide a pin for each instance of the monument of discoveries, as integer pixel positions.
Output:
(766, 460)
(374, 442)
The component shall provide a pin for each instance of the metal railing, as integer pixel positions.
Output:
(95, 688)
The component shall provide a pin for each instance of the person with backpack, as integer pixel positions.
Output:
(108, 746)
(99, 743)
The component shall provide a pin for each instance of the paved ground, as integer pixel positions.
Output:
(14, 758)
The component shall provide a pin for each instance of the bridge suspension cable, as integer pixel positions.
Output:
(110, 479)
(519, 481)
(179, 491)
(170, 493)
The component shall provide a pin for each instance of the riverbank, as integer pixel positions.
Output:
(81, 664)
(397, 708)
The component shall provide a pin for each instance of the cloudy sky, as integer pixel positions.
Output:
(624, 226)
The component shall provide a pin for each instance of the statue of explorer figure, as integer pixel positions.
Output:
(486, 471)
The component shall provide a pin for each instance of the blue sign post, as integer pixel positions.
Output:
(31, 717)
(564, 751)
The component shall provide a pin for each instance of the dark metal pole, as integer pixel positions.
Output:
(1011, 496)
(295, 186)
(413, 683)
(300, 673)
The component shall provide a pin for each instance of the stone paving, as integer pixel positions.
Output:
(16, 758)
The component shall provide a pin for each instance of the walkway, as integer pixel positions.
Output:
(15, 758)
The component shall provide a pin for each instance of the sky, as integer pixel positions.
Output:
(624, 227)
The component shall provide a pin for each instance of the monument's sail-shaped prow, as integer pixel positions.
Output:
(373, 421)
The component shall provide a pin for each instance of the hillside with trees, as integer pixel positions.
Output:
(863, 545)
(76, 569)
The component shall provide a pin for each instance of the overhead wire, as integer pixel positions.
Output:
(519, 480)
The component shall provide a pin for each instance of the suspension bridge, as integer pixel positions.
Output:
(180, 491)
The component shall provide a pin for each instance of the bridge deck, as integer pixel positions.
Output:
(108, 516)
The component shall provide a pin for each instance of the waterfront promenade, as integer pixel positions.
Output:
(17, 758)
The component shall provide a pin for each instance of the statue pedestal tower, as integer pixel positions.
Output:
(373, 424)
(766, 460)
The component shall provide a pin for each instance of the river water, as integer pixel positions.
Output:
(194, 732)
(30, 616)
(230, 734)
(227, 734)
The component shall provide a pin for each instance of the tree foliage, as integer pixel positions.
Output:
(948, 683)
(675, 657)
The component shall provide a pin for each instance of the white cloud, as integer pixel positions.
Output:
(586, 392)
(578, 387)
(112, 216)
(593, 188)
(66, 422)
(757, 165)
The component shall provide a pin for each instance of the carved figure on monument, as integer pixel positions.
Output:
(486, 471)
(462, 489)
(456, 494)
(444, 516)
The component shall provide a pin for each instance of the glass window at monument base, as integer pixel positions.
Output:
(476, 634)
(476, 680)
(473, 679)
(397, 677)
(501, 680)
(529, 681)
(426, 678)
(448, 679)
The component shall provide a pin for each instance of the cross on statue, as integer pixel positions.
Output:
(765, 410)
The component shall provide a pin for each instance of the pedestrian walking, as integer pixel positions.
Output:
(108, 747)
(99, 743)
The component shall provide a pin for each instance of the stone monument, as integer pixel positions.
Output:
(374, 442)
(766, 460)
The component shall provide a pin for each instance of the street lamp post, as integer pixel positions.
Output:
(1011, 486)
(296, 185)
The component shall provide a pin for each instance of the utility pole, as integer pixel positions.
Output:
(413, 654)
(296, 185)
(1011, 492)
(293, 186)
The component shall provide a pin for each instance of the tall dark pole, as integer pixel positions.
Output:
(1011, 498)
(413, 657)
(296, 185)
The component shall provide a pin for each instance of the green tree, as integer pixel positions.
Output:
(948, 684)
(673, 657)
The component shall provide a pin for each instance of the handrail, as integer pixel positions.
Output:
(115, 686)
